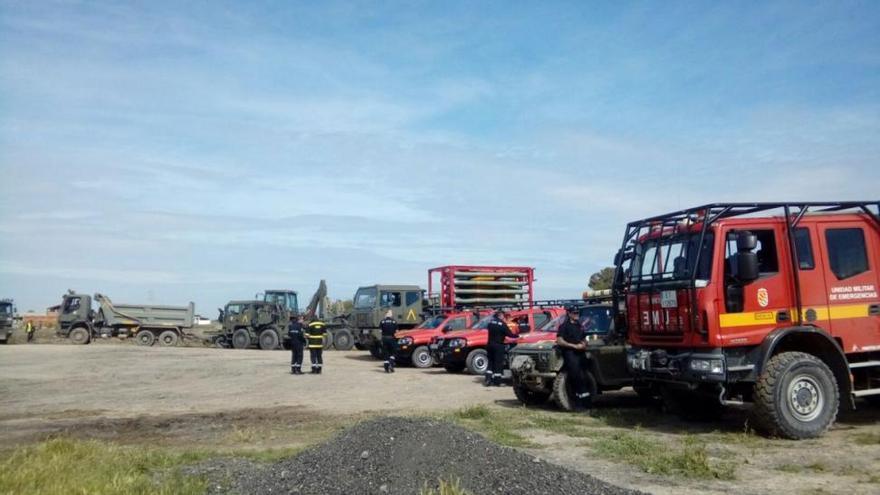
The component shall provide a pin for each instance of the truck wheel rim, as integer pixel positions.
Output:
(805, 398)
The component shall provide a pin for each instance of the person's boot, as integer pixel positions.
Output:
(320, 370)
(391, 365)
(315, 371)
(292, 370)
(487, 381)
(387, 366)
(496, 380)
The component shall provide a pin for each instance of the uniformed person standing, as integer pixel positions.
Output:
(572, 341)
(495, 349)
(315, 335)
(29, 329)
(388, 326)
(297, 335)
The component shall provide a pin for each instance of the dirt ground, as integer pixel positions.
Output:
(246, 401)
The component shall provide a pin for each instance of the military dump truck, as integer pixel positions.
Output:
(7, 318)
(537, 371)
(263, 321)
(450, 288)
(147, 323)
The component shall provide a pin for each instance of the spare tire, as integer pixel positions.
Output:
(241, 339)
(168, 338)
(268, 339)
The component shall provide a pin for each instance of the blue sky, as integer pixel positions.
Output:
(162, 153)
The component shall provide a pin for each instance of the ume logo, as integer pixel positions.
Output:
(763, 297)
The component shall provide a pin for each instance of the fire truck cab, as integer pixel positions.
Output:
(774, 304)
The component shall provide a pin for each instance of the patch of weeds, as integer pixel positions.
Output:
(62, 466)
(569, 425)
(444, 488)
(473, 412)
(873, 479)
(866, 438)
(790, 468)
(690, 460)
(626, 418)
(817, 467)
(500, 427)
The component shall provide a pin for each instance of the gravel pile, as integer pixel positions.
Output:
(399, 456)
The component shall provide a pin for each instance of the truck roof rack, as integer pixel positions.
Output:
(698, 220)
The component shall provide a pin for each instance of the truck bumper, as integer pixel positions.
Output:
(685, 369)
(404, 352)
(448, 355)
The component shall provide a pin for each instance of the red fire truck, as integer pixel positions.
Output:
(773, 304)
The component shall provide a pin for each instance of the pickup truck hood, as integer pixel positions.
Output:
(422, 335)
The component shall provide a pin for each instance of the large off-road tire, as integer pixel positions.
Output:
(421, 357)
(80, 336)
(796, 397)
(343, 340)
(477, 362)
(269, 339)
(241, 339)
(145, 338)
(528, 396)
(168, 338)
(563, 391)
(454, 367)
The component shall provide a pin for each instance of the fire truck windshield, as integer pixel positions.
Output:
(672, 259)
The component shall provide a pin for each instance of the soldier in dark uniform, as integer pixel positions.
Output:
(315, 335)
(572, 341)
(495, 349)
(296, 332)
(389, 342)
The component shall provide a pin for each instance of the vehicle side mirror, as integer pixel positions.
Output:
(679, 268)
(745, 267)
(746, 241)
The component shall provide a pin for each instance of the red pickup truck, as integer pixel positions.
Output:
(466, 349)
(412, 345)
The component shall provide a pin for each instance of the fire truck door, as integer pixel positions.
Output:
(849, 250)
(811, 272)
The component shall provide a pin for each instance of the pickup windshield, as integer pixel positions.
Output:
(434, 322)
(365, 298)
(670, 259)
(483, 323)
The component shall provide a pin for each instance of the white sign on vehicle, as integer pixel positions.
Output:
(668, 299)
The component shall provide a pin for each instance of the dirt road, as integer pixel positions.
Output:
(126, 380)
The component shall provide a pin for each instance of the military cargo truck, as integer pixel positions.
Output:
(7, 318)
(262, 322)
(245, 323)
(147, 323)
(406, 303)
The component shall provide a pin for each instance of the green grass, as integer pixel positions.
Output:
(689, 460)
(866, 438)
(500, 427)
(444, 488)
(64, 466)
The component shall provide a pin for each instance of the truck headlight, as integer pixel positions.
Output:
(405, 341)
(711, 366)
(457, 343)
